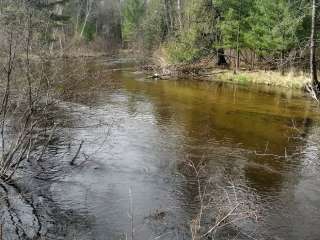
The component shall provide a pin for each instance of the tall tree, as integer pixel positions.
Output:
(234, 24)
(273, 29)
(132, 12)
(313, 63)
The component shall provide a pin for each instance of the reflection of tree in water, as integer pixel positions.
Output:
(253, 141)
(267, 171)
(199, 143)
(33, 185)
(82, 81)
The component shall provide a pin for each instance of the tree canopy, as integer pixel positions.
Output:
(273, 30)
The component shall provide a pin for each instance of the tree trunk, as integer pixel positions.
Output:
(179, 13)
(221, 57)
(238, 51)
(89, 6)
(167, 15)
(313, 63)
(238, 38)
(76, 28)
(282, 63)
(252, 59)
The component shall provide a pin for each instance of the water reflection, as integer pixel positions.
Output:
(251, 135)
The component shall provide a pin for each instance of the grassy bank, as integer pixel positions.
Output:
(207, 68)
(271, 78)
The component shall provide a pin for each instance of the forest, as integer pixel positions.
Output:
(276, 34)
(273, 35)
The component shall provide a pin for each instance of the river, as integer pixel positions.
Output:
(139, 134)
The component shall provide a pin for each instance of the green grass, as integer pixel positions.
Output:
(242, 78)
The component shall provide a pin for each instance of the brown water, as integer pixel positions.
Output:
(138, 133)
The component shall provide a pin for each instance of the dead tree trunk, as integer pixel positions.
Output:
(313, 47)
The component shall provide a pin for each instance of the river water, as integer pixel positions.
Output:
(139, 134)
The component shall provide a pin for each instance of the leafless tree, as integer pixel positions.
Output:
(313, 47)
(21, 98)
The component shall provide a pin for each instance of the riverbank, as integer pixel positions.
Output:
(206, 69)
(271, 78)
(162, 125)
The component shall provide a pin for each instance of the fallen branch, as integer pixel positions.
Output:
(221, 220)
(72, 162)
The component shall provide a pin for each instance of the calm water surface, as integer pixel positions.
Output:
(138, 133)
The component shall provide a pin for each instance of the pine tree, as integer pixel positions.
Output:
(234, 24)
(132, 13)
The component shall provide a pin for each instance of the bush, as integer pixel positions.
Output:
(184, 49)
(89, 31)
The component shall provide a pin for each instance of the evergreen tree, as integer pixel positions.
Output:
(234, 24)
(154, 27)
(198, 32)
(273, 29)
(132, 12)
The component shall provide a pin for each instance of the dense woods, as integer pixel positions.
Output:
(275, 32)
(275, 35)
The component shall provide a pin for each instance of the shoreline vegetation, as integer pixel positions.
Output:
(263, 42)
(207, 69)
(204, 69)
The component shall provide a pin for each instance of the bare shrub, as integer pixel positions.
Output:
(230, 205)
(24, 87)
